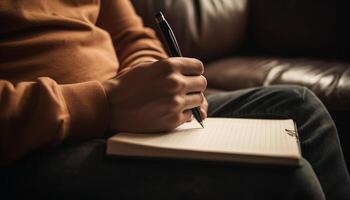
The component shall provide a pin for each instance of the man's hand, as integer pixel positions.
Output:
(156, 96)
(204, 108)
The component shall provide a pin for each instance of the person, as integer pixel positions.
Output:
(72, 72)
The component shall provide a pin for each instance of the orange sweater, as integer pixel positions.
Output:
(53, 55)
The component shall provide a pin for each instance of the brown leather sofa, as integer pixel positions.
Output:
(250, 43)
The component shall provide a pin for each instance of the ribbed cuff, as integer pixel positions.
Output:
(88, 109)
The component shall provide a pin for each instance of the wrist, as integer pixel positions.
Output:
(88, 109)
(112, 91)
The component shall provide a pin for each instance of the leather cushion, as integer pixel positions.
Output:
(329, 80)
(205, 29)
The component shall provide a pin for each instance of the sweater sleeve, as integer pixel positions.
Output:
(133, 42)
(39, 114)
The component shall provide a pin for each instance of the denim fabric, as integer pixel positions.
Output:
(82, 170)
(318, 135)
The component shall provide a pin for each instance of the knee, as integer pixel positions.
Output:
(290, 91)
(295, 93)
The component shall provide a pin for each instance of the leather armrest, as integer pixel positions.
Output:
(329, 80)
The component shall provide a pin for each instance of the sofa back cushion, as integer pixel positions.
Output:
(300, 27)
(205, 29)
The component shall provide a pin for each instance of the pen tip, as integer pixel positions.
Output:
(201, 123)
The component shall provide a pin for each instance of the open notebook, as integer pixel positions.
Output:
(260, 141)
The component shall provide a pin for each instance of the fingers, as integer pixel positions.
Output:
(184, 84)
(190, 119)
(195, 84)
(191, 67)
(182, 75)
(204, 108)
(186, 66)
(187, 116)
(192, 100)
(184, 116)
(180, 103)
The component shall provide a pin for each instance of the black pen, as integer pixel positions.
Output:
(174, 51)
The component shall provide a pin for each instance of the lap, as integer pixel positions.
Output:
(83, 170)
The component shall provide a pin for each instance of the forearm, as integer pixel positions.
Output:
(39, 114)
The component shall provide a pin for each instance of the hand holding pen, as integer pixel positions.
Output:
(174, 51)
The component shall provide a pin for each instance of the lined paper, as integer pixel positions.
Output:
(225, 135)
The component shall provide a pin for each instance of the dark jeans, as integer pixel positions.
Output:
(82, 170)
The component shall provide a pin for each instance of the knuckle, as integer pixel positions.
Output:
(169, 65)
(181, 84)
(171, 82)
(175, 82)
(176, 102)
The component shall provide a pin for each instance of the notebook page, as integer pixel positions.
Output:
(227, 135)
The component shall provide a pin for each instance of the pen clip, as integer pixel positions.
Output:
(177, 48)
